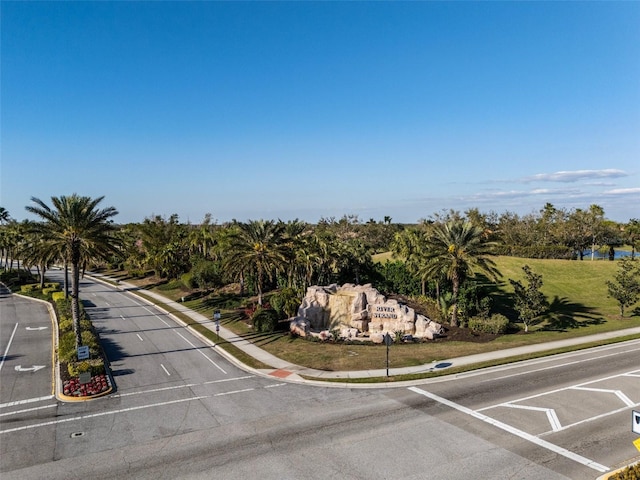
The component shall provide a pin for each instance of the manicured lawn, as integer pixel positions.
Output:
(576, 291)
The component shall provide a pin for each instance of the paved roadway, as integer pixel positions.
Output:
(182, 411)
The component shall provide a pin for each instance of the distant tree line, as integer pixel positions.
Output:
(445, 259)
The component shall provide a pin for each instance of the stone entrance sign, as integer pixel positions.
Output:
(358, 311)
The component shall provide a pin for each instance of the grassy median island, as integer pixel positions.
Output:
(576, 291)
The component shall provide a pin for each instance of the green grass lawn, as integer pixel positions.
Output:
(576, 291)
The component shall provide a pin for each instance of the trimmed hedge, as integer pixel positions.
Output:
(57, 296)
(29, 288)
(629, 473)
(496, 324)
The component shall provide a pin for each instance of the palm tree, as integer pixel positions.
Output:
(257, 247)
(77, 232)
(4, 215)
(456, 249)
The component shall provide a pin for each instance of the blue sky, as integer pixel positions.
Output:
(307, 110)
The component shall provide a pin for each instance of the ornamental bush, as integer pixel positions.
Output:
(67, 347)
(29, 288)
(47, 292)
(496, 324)
(264, 320)
(630, 473)
(65, 324)
(57, 296)
(95, 366)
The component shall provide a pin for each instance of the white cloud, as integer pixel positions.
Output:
(575, 175)
(623, 191)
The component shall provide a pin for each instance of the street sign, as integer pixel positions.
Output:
(388, 341)
(635, 421)
(83, 352)
(637, 443)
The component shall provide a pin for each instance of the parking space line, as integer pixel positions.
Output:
(508, 428)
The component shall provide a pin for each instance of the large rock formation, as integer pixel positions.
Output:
(358, 311)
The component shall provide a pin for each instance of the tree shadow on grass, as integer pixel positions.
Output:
(221, 301)
(564, 315)
(260, 339)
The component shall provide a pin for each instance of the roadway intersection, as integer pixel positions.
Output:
(183, 411)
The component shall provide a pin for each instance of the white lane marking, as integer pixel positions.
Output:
(575, 387)
(175, 387)
(632, 374)
(8, 345)
(15, 412)
(201, 353)
(555, 366)
(35, 329)
(227, 379)
(100, 414)
(551, 414)
(165, 370)
(508, 428)
(617, 393)
(234, 391)
(123, 410)
(32, 369)
(275, 385)
(139, 337)
(27, 400)
(197, 349)
(591, 419)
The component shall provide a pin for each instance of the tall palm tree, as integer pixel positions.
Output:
(78, 232)
(4, 215)
(257, 247)
(456, 249)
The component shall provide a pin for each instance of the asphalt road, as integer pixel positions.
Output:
(182, 411)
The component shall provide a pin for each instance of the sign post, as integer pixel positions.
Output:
(83, 352)
(635, 427)
(216, 319)
(388, 341)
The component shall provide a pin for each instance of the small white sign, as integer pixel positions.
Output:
(635, 421)
(83, 352)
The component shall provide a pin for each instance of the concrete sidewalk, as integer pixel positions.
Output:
(283, 369)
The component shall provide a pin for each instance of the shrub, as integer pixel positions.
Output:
(265, 320)
(29, 288)
(206, 274)
(286, 302)
(48, 291)
(67, 347)
(632, 472)
(95, 366)
(65, 324)
(188, 281)
(89, 339)
(57, 296)
(430, 308)
(496, 324)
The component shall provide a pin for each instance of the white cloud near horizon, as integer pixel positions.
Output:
(575, 175)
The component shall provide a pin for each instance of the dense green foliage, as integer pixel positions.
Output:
(529, 300)
(445, 259)
(496, 324)
(625, 287)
